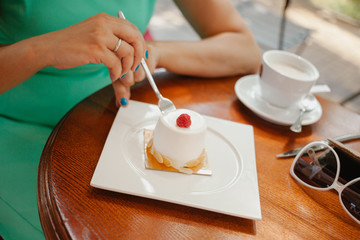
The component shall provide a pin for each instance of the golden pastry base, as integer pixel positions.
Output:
(202, 168)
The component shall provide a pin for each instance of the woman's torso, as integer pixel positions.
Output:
(49, 94)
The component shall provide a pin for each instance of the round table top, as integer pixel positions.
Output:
(70, 208)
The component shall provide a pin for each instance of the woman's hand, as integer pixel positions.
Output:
(93, 41)
(122, 85)
(90, 41)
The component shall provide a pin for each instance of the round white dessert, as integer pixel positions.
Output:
(180, 145)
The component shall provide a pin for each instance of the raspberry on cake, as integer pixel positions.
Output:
(184, 120)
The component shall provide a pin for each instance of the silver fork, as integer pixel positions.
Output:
(165, 105)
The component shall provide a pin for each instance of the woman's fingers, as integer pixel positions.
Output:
(151, 61)
(139, 74)
(121, 64)
(125, 53)
(130, 33)
(113, 64)
(122, 85)
(128, 79)
(91, 40)
(122, 93)
(131, 49)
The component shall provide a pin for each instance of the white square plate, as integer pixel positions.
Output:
(232, 189)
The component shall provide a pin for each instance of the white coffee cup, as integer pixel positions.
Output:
(285, 78)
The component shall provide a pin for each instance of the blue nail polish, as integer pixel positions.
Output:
(147, 54)
(123, 75)
(123, 101)
(137, 67)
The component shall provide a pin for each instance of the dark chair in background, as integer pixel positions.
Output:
(282, 25)
(271, 30)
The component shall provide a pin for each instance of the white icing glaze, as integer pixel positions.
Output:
(180, 144)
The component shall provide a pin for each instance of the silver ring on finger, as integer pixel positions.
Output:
(117, 45)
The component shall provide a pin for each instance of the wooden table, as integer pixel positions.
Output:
(70, 208)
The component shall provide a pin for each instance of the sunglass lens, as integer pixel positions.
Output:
(350, 197)
(316, 168)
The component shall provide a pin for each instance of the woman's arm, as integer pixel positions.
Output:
(90, 41)
(227, 46)
(18, 63)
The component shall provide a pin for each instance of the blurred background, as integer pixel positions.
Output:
(326, 32)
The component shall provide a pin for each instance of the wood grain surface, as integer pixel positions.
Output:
(70, 208)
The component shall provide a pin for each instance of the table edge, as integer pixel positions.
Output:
(48, 212)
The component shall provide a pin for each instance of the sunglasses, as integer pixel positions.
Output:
(320, 170)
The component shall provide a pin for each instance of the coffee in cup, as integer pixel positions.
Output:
(285, 78)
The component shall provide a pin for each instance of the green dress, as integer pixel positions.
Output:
(29, 111)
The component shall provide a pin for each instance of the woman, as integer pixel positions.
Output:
(55, 53)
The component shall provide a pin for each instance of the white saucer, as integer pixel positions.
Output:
(248, 91)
